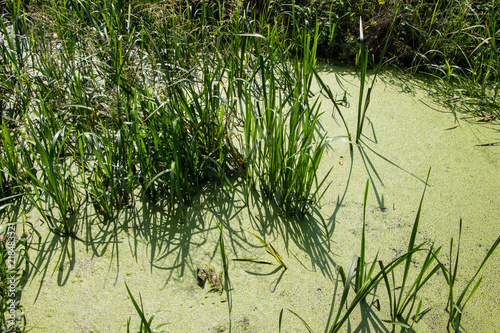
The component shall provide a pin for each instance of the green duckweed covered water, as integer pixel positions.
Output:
(82, 289)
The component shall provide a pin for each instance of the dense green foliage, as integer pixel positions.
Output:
(455, 41)
(107, 103)
(106, 100)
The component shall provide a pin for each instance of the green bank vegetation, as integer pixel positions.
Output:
(108, 103)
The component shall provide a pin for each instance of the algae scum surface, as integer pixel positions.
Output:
(80, 287)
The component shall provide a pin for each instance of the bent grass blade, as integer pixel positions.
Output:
(269, 249)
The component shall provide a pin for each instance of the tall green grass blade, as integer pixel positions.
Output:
(363, 61)
(360, 274)
(144, 325)
(411, 244)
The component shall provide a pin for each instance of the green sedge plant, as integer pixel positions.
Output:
(144, 325)
(363, 278)
(404, 309)
(12, 175)
(52, 181)
(457, 302)
(281, 144)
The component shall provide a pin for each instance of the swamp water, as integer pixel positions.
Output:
(82, 289)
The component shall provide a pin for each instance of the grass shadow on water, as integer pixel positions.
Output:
(171, 236)
(370, 321)
(306, 234)
(52, 248)
(364, 154)
(371, 174)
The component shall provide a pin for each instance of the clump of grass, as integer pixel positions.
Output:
(405, 302)
(364, 279)
(143, 118)
(144, 325)
(405, 307)
(281, 144)
(12, 176)
(456, 42)
(456, 305)
(152, 110)
(335, 323)
(55, 180)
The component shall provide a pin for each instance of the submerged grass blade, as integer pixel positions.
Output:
(256, 261)
(224, 258)
(269, 249)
